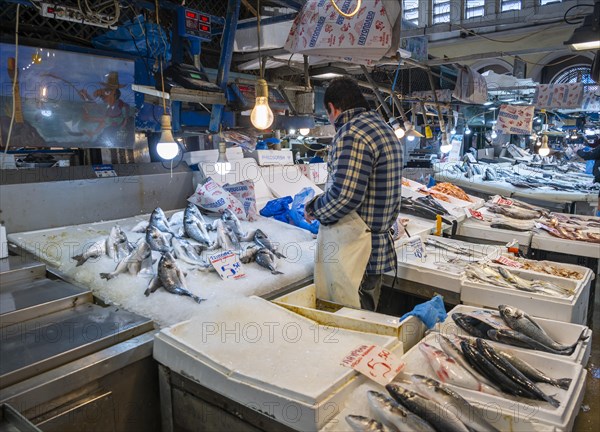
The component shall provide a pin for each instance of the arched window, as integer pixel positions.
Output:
(576, 73)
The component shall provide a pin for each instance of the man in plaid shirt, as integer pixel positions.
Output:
(365, 172)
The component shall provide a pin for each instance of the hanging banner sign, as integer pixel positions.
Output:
(559, 95)
(515, 119)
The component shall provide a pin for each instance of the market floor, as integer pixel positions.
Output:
(588, 419)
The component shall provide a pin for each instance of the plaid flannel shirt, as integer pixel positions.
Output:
(365, 168)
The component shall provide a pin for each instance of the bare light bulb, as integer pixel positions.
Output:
(494, 135)
(399, 132)
(446, 146)
(261, 115)
(453, 131)
(544, 149)
(467, 131)
(304, 131)
(410, 137)
(222, 166)
(166, 147)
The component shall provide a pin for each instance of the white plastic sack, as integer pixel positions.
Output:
(559, 95)
(471, 86)
(244, 192)
(515, 119)
(211, 196)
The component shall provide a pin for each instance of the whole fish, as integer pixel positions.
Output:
(533, 373)
(171, 278)
(489, 174)
(132, 263)
(452, 401)
(158, 240)
(511, 224)
(266, 258)
(364, 424)
(176, 218)
(518, 339)
(183, 250)
(519, 321)
(248, 253)
(232, 221)
(513, 212)
(449, 371)
(428, 410)
(196, 229)
(513, 373)
(226, 239)
(485, 367)
(115, 241)
(95, 250)
(394, 415)
(535, 285)
(261, 239)
(140, 227)
(159, 220)
(471, 325)
(455, 353)
(193, 210)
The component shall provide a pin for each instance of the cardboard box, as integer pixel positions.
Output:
(273, 157)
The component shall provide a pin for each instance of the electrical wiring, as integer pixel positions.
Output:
(549, 64)
(579, 20)
(14, 86)
(504, 41)
(344, 14)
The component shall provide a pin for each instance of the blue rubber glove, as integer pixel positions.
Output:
(430, 312)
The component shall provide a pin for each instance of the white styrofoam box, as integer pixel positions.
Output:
(195, 157)
(545, 241)
(567, 309)
(563, 333)
(273, 157)
(477, 229)
(3, 242)
(244, 169)
(287, 180)
(430, 269)
(257, 353)
(272, 35)
(317, 172)
(587, 273)
(7, 161)
(515, 408)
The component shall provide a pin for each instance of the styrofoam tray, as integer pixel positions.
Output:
(570, 309)
(563, 333)
(477, 229)
(454, 207)
(517, 408)
(588, 274)
(434, 269)
(544, 241)
(291, 359)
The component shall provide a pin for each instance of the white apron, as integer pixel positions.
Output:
(343, 251)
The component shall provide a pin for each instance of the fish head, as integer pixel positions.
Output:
(359, 422)
(421, 379)
(399, 392)
(259, 234)
(510, 312)
(503, 272)
(167, 261)
(227, 214)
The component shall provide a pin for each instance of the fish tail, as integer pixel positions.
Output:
(564, 383)
(107, 276)
(80, 260)
(552, 401)
(197, 299)
(279, 254)
(276, 272)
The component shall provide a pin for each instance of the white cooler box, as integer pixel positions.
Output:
(563, 333)
(571, 309)
(268, 358)
(512, 413)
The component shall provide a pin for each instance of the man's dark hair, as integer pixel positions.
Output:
(344, 93)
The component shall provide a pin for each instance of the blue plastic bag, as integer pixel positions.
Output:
(280, 209)
(430, 312)
(277, 208)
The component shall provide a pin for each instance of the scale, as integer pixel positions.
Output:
(194, 24)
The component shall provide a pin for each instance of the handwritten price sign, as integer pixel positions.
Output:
(375, 362)
(473, 214)
(508, 262)
(228, 265)
(502, 201)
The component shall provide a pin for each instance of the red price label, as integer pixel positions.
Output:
(502, 201)
(474, 214)
(508, 262)
(375, 362)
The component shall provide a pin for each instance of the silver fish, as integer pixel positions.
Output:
(226, 239)
(176, 218)
(519, 321)
(533, 373)
(392, 414)
(183, 250)
(535, 285)
(261, 239)
(265, 258)
(140, 227)
(132, 263)
(452, 401)
(232, 221)
(95, 250)
(248, 253)
(196, 229)
(171, 278)
(159, 220)
(364, 424)
(157, 240)
(428, 410)
(513, 212)
(115, 241)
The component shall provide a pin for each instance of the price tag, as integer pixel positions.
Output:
(375, 362)
(473, 214)
(502, 201)
(508, 262)
(105, 170)
(417, 247)
(551, 230)
(228, 265)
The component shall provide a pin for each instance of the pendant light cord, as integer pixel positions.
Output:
(162, 78)
(260, 65)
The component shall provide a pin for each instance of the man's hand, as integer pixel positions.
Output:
(308, 216)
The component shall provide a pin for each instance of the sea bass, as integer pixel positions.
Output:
(139, 259)
(364, 424)
(533, 373)
(158, 240)
(160, 221)
(171, 278)
(428, 410)
(226, 239)
(266, 258)
(184, 251)
(116, 243)
(196, 229)
(232, 221)
(261, 239)
(452, 401)
(392, 414)
(95, 250)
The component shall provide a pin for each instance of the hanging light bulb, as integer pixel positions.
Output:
(453, 131)
(494, 134)
(446, 146)
(167, 148)
(467, 131)
(222, 166)
(411, 133)
(261, 115)
(544, 149)
(398, 131)
(304, 131)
